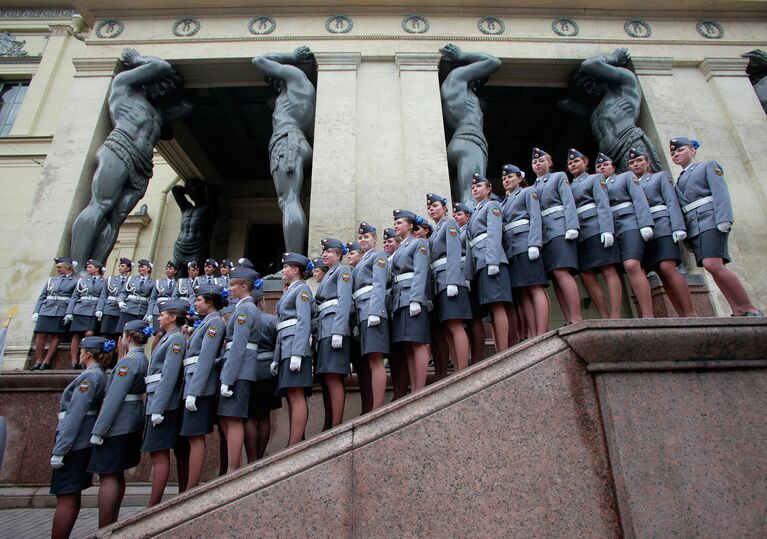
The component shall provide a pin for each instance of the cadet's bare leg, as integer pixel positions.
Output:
(235, 438)
(251, 439)
(500, 325)
(570, 299)
(526, 302)
(730, 285)
(440, 352)
(223, 449)
(337, 393)
(53, 348)
(181, 451)
(541, 307)
(364, 381)
(676, 288)
(326, 405)
(477, 330)
(196, 460)
(589, 278)
(614, 288)
(74, 347)
(160, 471)
(399, 370)
(377, 378)
(264, 424)
(418, 364)
(111, 492)
(288, 186)
(65, 516)
(299, 414)
(640, 285)
(460, 343)
(40, 340)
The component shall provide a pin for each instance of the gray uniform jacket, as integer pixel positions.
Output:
(521, 204)
(79, 405)
(553, 190)
(337, 284)
(201, 378)
(659, 188)
(592, 189)
(445, 243)
(241, 330)
(184, 290)
(167, 361)
(86, 296)
(136, 295)
(412, 256)
(267, 340)
(486, 219)
(371, 270)
(110, 295)
(55, 296)
(623, 188)
(295, 303)
(127, 378)
(203, 279)
(700, 180)
(162, 291)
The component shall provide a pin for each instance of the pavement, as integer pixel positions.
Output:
(36, 523)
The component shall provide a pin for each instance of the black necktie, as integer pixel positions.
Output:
(208, 279)
(143, 280)
(122, 281)
(93, 280)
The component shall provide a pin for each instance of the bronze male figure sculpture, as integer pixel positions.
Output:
(757, 73)
(198, 202)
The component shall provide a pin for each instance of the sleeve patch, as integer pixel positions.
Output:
(381, 262)
(122, 371)
(212, 332)
(423, 249)
(534, 195)
(718, 171)
(84, 386)
(452, 231)
(603, 182)
(241, 318)
(496, 211)
(345, 277)
(304, 296)
(175, 348)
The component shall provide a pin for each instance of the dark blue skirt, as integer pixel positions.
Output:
(287, 379)
(710, 244)
(455, 308)
(74, 475)
(50, 324)
(116, 454)
(201, 422)
(631, 245)
(163, 436)
(82, 323)
(525, 272)
(406, 328)
(330, 360)
(237, 404)
(109, 324)
(592, 254)
(659, 249)
(560, 253)
(374, 340)
(262, 397)
(493, 288)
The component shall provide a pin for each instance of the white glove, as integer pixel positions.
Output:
(121, 304)
(97, 440)
(57, 461)
(148, 318)
(157, 419)
(274, 368)
(646, 233)
(190, 403)
(68, 319)
(571, 234)
(493, 269)
(35, 316)
(373, 320)
(452, 290)
(533, 253)
(337, 341)
(99, 314)
(415, 308)
(295, 363)
(678, 235)
(724, 227)
(225, 391)
(607, 240)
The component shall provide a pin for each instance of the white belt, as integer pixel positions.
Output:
(191, 360)
(249, 346)
(620, 206)
(403, 276)
(586, 207)
(659, 207)
(152, 378)
(463, 259)
(163, 298)
(553, 209)
(111, 298)
(363, 290)
(59, 298)
(130, 397)
(140, 299)
(327, 304)
(287, 323)
(89, 298)
(62, 415)
(266, 355)
(478, 239)
(515, 224)
(692, 205)
(438, 263)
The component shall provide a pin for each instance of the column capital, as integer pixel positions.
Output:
(338, 61)
(417, 61)
(94, 67)
(724, 67)
(652, 65)
(60, 29)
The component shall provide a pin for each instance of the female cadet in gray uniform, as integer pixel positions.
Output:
(78, 408)
(560, 230)
(239, 366)
(662, 252)
(397, 362)
(333, 308)
(633, 225)
(597, 251)
(293, 354)
(522, 236)
(462, 214)
(81, 312)
(486, 264)
(370, 276)
(163, 400)
(108, 309)
(450, 291)
(134, 298)
(50, 309)
(410, 277)
(705, 201)
(116, 435)
(185, 289)
(162, 291)
(201, 376)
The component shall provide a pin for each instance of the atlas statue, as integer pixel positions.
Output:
(199, 205)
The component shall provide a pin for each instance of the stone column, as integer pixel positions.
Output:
(423, 131)
(332, 206)
(62, 191)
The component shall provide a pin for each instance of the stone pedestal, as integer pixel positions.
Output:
(662, 306)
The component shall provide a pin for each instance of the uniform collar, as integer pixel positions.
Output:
(581, 176)
(246, 298)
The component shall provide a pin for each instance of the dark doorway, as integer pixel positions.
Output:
(264, 248)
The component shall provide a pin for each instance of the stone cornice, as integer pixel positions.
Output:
(724, 67)
(652, 65)
(94, 67)
(37, 13)
(417, 61)
(338, 61)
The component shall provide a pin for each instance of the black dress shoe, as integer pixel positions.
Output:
(36, 367)
(44, 367)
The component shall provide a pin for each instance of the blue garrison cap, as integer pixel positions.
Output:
(244, 273)
(332, 243)
(174, 304)
(460, 206)
(572, 153)
(366, 228)
(389, 233)
(297, 259)
(603, 158)
(537, 152)
(431, 198)
(479, 178)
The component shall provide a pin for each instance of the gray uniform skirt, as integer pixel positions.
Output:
(659, 249)
(631, 245)
(493, 288)
(50, 324)
(201, 422)
(74, 475)
(262, 397)
(710, 244)
(406, 328)
(526, 272)
(287, 379)
(592, 254)
(560, 253)
(82, 323)
(374, 340)
(455, 308)
(163, 436)
(330, 360)
(125, 318)
(109, 324)
(116, 454)
(237, 404)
